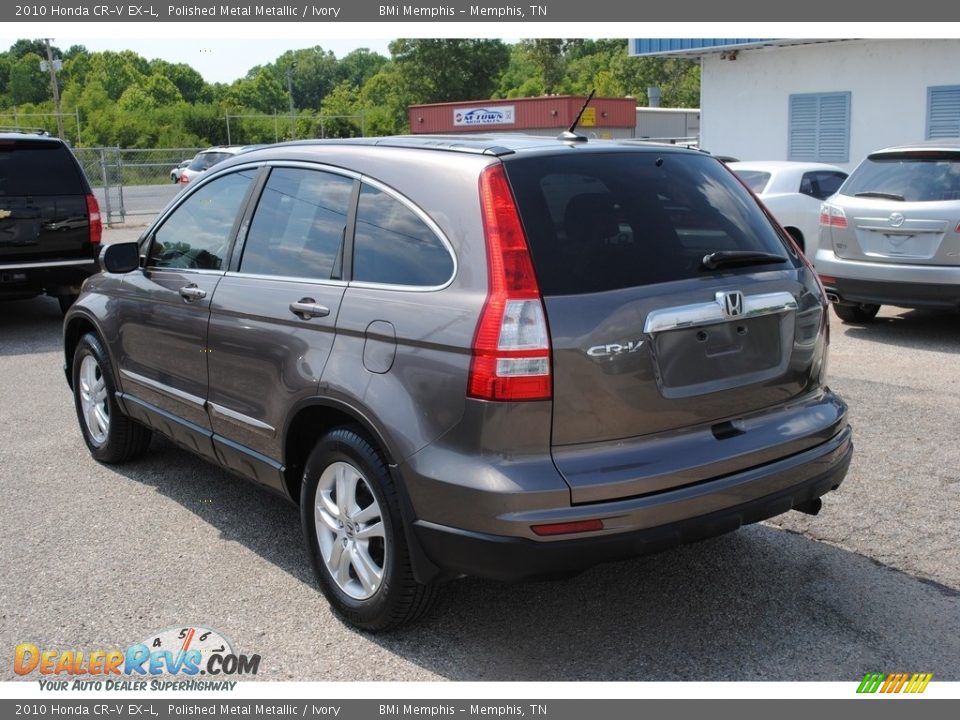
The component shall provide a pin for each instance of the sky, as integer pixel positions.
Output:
(216, 60)
(224, 52)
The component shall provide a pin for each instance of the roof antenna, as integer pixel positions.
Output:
(571, 135)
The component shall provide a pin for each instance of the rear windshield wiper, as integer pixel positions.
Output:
(877, 194)
(734, 258)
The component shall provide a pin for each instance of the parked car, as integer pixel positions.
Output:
(178, 170)
(50, 225)
(891, 235)
(497, 356)
(206, 159)
(793, 192)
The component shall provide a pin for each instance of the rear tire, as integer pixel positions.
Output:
(111, 436)
(355, 535)
(859, 313)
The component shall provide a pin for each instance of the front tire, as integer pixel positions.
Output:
(859, 313)
(355, 535)
(110, 435)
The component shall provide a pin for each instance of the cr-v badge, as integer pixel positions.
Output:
(600, 351)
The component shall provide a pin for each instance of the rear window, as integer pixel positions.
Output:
(754, 179)
(38, 168)
(604, 221)
(207, 160)
(911, 177)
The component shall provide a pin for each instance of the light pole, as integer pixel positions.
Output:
(53, 66)
(293, 117)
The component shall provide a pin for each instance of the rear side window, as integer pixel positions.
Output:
(921, 177)
(394, 246)
(754, 179)
(604, 221)
(38, 168)
(298, 227)
(196, 235)
(821, 184)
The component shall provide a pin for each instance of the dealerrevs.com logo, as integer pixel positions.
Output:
(889, 683)
(171, 659)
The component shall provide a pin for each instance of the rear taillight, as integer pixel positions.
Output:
(511, 347)
(832, 216)
(183, 179)
(96, 224)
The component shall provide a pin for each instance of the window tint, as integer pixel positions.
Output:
(37, 168)
(925, 176)
(197, 234)
(754, 179)
(206, 160)
(394, 246)
(821, 184)
(604, 221)
(298, 227)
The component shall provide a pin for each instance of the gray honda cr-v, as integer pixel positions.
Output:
(496, 356)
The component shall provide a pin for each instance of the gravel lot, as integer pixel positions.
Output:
(98, 557)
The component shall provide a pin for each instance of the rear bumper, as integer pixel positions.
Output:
(55, 277)
(646, 524)
(912, 286)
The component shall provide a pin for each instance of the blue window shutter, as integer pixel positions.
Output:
(819, 127)
(943, 112)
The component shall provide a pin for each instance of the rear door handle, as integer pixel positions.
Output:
(192, 292)
(308, 308)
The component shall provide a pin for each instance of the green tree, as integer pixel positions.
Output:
(385, 102)
(28, 83)
(262, 92)
(117, 71)
(338, 106)
(546, 57)
(188, 81)
(448, 70)
(313, 74)
(358, 66)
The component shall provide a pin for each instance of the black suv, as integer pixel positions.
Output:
(50, 226)
(495, 356)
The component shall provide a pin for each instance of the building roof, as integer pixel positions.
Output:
(698, 47)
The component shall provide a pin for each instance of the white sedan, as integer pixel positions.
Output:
(793, 191)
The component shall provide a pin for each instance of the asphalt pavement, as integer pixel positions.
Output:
(100, 557)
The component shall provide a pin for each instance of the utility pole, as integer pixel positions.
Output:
(53, 66)
(293, 117)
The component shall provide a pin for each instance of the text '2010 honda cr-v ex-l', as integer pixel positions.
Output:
(498, 356)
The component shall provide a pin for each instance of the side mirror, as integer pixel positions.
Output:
(120, 257)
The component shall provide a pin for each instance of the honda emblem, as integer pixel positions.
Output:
(731, 303)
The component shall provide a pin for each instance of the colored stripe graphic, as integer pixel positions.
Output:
(894, 683)
(918, 683)
(871, 683)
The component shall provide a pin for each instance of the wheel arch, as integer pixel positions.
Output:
(314, 417)
(75, 328)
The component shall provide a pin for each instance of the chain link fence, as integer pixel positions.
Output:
(132, 182)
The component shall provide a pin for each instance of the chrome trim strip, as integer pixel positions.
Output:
(285, 278)
(55, 263)
(239, 417)
(165, 389)
(710, 313)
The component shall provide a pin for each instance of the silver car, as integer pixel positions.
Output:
(891, 235)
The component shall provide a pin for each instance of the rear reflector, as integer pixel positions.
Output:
(96, 224)
(828, 280)
(567, 528)
(511, 347)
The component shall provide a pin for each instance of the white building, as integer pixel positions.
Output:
(829, 101)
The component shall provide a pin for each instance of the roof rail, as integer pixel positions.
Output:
(25, 131)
